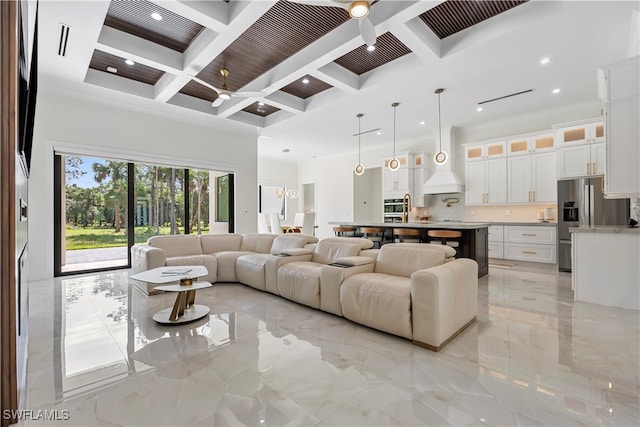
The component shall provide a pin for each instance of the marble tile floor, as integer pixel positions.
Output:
(534, 357)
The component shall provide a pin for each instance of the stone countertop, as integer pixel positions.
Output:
(610, 229)
(452, 225)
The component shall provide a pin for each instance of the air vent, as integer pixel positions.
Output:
(64, 39)
(505, 96)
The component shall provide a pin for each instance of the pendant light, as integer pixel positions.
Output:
(440, 157)
(394, 164)
(359, 169)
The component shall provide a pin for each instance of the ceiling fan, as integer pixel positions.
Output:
(223, 92)
(357, 10)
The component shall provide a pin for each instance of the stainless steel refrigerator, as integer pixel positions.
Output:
(581, 203)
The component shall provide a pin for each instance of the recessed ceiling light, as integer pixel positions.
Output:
(545, 60)
(156, 16)
(261, 103)
(305, 80)
(479, 109)
(556, 90)
(112, 69)
(422, 123)
(378, 133)
(371, 48)
(129, 62)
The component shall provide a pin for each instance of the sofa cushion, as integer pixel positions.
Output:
(227, 265)
(177, 245)
(259, 243)
(300, 282)
(212, 243)
(380, 301)
(403, 259)
(250, 270)
(328, 250)
(287, 241)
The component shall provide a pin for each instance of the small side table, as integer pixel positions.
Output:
(184, 310)
(169, 277)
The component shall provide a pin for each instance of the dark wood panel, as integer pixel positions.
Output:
(360, 60)
(306, 90)
(260, 110)
(199, 91)
(139, 72)
(451, 17)
(8, 151)
(134, 17)
(281, 32)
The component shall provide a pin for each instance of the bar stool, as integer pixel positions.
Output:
(375, 234)
(344, 231)
(445, 237)
(407, 235)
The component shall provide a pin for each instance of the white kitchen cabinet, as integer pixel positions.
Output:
(581, 160)
(485, 150)
(591, 132)
(486, 181)
(530, 243)
(622, 108)
(525, 145)
(496, 244)
(395, 184)
(530, 179)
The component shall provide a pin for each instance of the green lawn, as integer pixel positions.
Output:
(100, 237)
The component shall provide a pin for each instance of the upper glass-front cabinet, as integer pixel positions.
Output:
(588, 133)
(486, 150)
(530, 144)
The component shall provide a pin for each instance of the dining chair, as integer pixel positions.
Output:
(263, 226)
(298, 220)
(274, 219)
(309, 223)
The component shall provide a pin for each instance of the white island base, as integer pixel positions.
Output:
(606, 266)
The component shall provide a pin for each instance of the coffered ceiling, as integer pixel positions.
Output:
(309, 71)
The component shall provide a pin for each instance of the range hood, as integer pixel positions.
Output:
(444, 179)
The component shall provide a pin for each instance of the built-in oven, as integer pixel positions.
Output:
(392, 210)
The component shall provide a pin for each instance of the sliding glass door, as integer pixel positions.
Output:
(104, 206)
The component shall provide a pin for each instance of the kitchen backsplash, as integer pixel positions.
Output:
(437, 209)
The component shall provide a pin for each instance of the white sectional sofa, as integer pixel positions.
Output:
(416, 291)
(217, 252)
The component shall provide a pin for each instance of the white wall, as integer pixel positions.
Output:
(281, 173)
(63, 121)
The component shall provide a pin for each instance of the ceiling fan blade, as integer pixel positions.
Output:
(249, 94)
(203, 83)
(368, 31)
(217, 102)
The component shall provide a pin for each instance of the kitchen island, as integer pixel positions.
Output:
(474, 242)
(605, 265)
